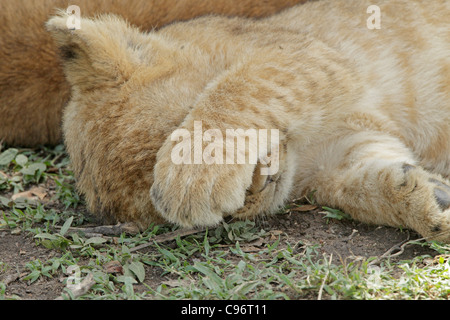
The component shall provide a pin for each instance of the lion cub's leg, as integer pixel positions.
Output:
(373, 177)
(200, 192)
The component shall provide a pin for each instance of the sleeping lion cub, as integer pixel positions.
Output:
(33, 90)
(361, 114)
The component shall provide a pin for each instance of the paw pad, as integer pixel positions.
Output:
(442, 194)
(406, 167)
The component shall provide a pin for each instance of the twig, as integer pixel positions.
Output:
(319, 297)
(116, 230)
(350, 237)
(11, 278)
(388, 254)
(82, 288)
(169, 236)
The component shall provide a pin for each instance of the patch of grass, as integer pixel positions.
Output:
(237, 260)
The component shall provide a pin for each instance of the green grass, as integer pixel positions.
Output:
(237, 260)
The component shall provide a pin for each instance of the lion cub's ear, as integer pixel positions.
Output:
(102, 50)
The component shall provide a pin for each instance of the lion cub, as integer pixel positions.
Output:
(362, 114)
(33, 90)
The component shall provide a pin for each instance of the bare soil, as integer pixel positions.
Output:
(347, 240)
(16, 251)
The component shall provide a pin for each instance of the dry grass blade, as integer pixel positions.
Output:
(319, 297)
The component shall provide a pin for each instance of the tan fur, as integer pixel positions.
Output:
(33, 90)
(363, 114)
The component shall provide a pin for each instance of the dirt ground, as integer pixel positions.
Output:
(346, 240)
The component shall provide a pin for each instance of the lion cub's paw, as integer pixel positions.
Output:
(426, 200)
(192, 195)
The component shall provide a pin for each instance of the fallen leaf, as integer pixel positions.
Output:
(304, 208)
(177, 283)
(258, 242)
(39, 192)
(53, 170)
(113, 267)
(250, 249)
(16, 231)
(25, 194)
(34, 194)
(274, 234)
(254, 246)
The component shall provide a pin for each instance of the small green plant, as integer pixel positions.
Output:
(237, 231)
(66, 193)
(331, 213)
(48, 268)
(236, 260)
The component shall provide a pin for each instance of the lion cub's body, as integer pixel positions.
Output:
(33, 90)
(363, 114)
